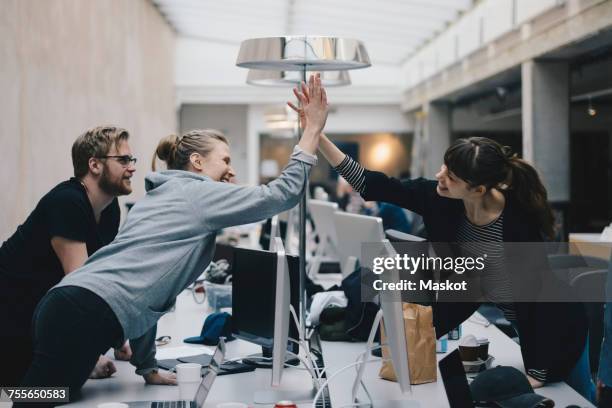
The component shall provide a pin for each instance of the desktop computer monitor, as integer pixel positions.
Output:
(393, 319)
(322, 213)
(352, 231)
(264, 284)
(224, 251)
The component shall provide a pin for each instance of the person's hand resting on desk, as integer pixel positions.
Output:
(123, 353)
(157, 378)
(104, 368)
(534, 383)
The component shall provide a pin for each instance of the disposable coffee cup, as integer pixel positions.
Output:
(483, 349)
(113, 405)
(469, 353)
(188, 372)
(188, 377)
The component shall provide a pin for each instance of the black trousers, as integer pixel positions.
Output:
(605, 398)
(16, 352)
(72, 326)
(17, 303)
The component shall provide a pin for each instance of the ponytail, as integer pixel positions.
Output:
(175, 150)
(527, 189)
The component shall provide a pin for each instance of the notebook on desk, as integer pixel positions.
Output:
(170, 363)
(228, 367)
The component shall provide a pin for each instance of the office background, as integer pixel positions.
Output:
(534, 75)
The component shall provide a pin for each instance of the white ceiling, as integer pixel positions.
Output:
(392, 30)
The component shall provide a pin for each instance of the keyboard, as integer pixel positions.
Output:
(171, 404)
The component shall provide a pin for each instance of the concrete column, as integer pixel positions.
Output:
(546, 137)
(437, 136)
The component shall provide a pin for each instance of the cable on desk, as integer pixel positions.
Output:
(325, 384)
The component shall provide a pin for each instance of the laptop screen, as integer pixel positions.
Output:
(204, 388)
(210, 374)
(455, 381)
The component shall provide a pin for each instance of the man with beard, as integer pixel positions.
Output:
(70, 223)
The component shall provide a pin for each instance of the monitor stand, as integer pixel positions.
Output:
(297, 396)
(396, 404)
(264, 359)
(272, 396)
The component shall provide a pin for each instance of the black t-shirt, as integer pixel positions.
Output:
(29, 266)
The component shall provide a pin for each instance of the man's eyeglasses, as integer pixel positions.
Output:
(123, 160)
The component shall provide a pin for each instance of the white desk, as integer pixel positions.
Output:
(187, 321)
(505, 351)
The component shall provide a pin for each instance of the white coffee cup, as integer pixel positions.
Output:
(113, 405)
(188, 372)
(189, 377)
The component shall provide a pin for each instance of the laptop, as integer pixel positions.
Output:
(208, 377)
(455, 382)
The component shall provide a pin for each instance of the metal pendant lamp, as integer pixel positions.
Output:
(329, 79)
(303, 52)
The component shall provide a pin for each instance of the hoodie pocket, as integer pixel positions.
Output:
(164, 310)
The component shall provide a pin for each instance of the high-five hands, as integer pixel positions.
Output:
(314, 108)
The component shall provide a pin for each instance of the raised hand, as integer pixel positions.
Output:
(314, 109)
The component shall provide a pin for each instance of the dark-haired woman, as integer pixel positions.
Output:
(483, 193)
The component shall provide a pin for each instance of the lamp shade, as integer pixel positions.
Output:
(259, 77)
(299, 52)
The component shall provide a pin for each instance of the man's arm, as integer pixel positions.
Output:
(72, 254)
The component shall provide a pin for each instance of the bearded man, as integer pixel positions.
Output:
(72, 221)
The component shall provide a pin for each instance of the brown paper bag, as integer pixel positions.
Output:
(421, 343)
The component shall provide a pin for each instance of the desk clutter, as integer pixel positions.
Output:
(336, 314)
(229, 367)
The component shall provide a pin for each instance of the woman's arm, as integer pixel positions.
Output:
(413, 195)
(332, 154)
(222, 205)
(315, 109)
(373, 186)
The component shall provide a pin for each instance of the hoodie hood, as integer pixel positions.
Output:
(157, 178)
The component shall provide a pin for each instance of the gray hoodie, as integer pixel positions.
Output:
(168, 240)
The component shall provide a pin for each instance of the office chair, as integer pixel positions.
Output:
(593, 282)
(567, 261)
(567, 267)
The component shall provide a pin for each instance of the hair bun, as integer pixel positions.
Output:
(166, 150)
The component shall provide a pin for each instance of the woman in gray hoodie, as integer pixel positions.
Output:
(167, 241)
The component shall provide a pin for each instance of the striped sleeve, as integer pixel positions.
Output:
(539, 375)
(352, 173)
